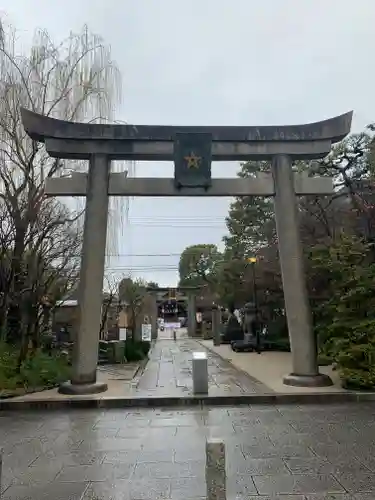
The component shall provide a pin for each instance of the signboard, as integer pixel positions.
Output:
(146, 332)
(192, 160)
(122, 333)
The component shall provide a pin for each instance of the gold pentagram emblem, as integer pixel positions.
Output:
(193, 161)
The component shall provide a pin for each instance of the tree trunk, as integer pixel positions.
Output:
(14, 316)
(22, 353)
(3, 317)
(35, 329)
(26, 321)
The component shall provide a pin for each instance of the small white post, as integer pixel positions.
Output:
(200, 373)
(215, 470)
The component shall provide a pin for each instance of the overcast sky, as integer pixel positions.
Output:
(219, 62)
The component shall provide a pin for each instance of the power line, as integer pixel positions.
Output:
(144, 255)
(130, 272)
(139, 255)
(143, 268)
(175, 216)
(180, 226)
(178, 222)
(178, 217)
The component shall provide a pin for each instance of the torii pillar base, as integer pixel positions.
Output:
(80, 389)
(318, 380)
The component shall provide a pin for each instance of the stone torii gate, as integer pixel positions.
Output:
(192, 149)
(190, 292)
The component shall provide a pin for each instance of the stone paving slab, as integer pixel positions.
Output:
(124, 372)
(310, 452)
(269, 368)
(169, 372)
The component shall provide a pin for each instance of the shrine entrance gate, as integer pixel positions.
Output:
(192, 149)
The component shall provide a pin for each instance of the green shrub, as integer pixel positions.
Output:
(44, 370)
(324, 360)
(46, 342)
(281, 344)
(354, 379)
(136, 350)
(145, 346)
(345, 323)
(39, 370)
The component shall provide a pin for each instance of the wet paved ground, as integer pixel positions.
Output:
(168, 372)
(284, 453)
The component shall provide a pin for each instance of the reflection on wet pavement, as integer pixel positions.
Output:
(168, 372)
(284, 453)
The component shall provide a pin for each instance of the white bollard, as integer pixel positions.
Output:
(215, 470)
(200, 373)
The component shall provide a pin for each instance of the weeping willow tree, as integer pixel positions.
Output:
(73, 80)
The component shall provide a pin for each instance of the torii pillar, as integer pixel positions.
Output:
(100, 143)
(192, 314)
(90, 291)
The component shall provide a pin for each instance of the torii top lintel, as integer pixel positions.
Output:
(40, 128)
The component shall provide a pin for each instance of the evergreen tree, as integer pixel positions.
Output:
(250, 221)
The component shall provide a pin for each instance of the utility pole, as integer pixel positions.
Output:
(253, 261)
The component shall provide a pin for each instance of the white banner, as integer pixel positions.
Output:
(172, 325)
(146, 332)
